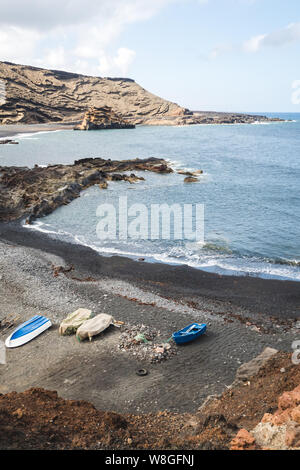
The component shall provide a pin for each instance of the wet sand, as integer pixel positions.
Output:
(244, 315)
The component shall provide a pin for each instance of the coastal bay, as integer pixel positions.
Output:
(149, 229)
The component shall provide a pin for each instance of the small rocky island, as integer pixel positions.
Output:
(103, 118)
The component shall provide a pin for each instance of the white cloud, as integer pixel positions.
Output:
(220, 50)
(73, 35)
(56, 57)
(253, 44)
(17, 42)
(123, 59)
(50, 14)
(281, 37)
(296, 92)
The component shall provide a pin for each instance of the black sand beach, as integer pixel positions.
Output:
(244, 315)
(14, 129)
(262, 297)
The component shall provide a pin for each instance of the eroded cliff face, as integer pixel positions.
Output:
(34, 95)
(102, 118)
(29, 95)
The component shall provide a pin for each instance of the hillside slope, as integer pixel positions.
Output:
(36, 95)
(31, 95)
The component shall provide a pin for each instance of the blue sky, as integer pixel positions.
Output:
(225, 55)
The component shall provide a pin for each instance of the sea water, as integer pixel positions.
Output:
(250, 189)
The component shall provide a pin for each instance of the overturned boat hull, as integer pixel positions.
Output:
(28, 331)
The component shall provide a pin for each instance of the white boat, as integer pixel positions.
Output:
(28, 331)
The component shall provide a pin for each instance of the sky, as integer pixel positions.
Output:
(223, 55)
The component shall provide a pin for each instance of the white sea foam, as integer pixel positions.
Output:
(221, 263)
(30, 135)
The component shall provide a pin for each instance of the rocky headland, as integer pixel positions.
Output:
(34, 95)
(35, 192)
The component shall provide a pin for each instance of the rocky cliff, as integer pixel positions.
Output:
(36, 95)
(32, 95)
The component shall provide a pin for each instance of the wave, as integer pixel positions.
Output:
(30, 135)
(210, 257)
(285, 262)
(221, 248)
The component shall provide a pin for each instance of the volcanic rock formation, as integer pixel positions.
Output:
(35, 192)
(103, 118)
(32, 95)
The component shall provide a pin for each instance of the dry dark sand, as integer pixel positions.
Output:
(166, 297)
(13, 130)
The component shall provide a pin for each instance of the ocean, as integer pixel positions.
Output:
(250, 189)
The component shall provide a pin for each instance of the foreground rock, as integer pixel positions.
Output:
(246, 371)
(39, 419)
(35, 95)
(239, 419)
(278, 431)
(36, 192)
(102, 118)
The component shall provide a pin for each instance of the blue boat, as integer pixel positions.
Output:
(189, 333)
(28, 331)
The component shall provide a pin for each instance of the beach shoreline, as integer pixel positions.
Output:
(244, 315)
(13, 130)
(270, 297)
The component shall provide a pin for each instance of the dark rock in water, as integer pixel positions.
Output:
(190, 173)
(162, 168)
(191, 179)
(36, 192)
(8, 141)
(102, 118)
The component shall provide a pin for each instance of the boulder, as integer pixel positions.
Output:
(251, 368)
(190, 179)
(102, 118)
(278, 431)
(190, 173)
(243, 441)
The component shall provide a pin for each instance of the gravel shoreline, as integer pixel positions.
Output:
(156, 295)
